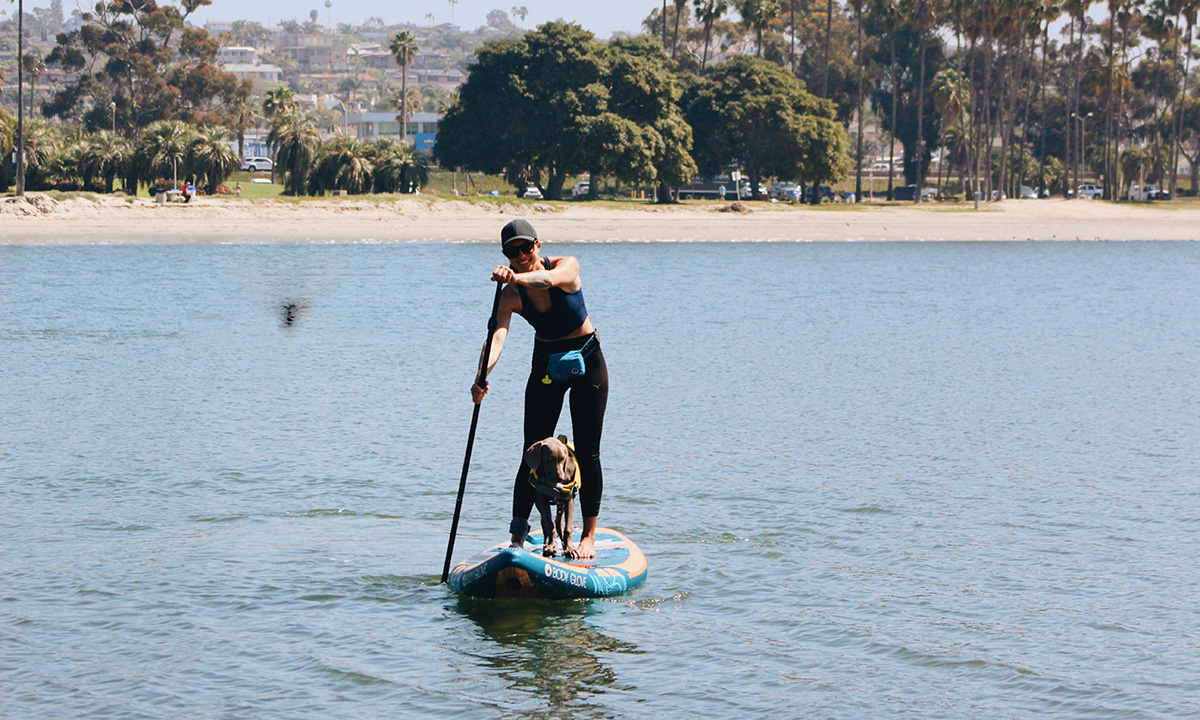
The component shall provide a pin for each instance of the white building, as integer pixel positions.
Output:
(237, 55)
(263, 76)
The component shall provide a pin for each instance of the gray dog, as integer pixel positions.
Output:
(555, 476)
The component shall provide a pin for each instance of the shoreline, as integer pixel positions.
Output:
(40, 219)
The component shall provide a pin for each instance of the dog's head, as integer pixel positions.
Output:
(555, 467)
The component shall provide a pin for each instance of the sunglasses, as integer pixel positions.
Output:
(515, 251)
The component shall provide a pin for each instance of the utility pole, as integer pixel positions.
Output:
(20, 149)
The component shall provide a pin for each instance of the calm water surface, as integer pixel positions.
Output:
(872, 480)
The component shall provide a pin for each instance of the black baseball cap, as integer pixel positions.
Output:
(518, 229)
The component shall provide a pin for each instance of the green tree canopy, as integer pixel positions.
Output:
(753, 114)
(560, 102)
(147, 60)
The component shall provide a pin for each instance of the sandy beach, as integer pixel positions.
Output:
(42, 220)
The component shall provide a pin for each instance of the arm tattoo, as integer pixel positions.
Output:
(538, 279)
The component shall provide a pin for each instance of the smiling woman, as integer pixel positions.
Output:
(548, 293)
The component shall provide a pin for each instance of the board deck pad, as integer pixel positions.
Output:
(505, 571)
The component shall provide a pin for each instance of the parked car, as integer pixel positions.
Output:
(745, 193)
(256, 164)
(531, 193)
(1027, 193)
(909, 192)
(782, 191)
(1157, 192)
(1090, 191)
(580, 190)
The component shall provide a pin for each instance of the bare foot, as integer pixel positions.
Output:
(518, 541)
(584, 550)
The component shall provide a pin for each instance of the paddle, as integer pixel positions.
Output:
(479, 380)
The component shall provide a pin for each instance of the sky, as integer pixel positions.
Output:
(602, 17)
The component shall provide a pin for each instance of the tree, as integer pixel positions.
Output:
(34, 67)
(161, 149)
(757, 16)
(906, 90)
(753, 114)
(295, 139)
(681, 8)
(209, 159)
(708, 12)
(106, 155)
(341, 163)
(559, 102)
(403, 48)
(399, 167)
(279, 101)
(146, 58)
(248, 32)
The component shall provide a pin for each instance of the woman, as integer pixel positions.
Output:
(547, 292)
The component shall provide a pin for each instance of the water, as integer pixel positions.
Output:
(871, 480)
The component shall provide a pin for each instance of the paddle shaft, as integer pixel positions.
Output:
(480, 379)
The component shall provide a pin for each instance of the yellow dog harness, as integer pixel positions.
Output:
(550, 486)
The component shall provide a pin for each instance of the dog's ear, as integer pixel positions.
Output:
(534, 454)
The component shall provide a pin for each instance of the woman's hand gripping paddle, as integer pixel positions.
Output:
(480, 379)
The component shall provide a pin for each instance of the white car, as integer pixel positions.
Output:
(531, 193)
(256, 164)
(580, 189)
(1090, 191)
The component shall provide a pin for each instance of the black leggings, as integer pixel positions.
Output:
(543, 405)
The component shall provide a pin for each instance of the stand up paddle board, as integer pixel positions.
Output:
(505, 571)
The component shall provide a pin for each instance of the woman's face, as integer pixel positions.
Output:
(527, 255)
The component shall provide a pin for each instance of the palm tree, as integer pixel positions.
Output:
(1189, 9)
(34, 67)
(757, 15)
(342, 163)
(828, 39)
(161, 149)
(858, 155)
(279, 101)
(399, 168)
(680, 9)
(8, 133)
(403, 47)
(66, 166)
(921, 15)
(42, 142)
(295, 139)
(210, 159)
(107, 156)
(708, 12)
(240, 120)
(402, 100)
(951, 96)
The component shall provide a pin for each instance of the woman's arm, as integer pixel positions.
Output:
(509, 302)
(563, 274)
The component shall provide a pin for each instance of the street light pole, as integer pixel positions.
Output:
(1082, 140)
(113, 105)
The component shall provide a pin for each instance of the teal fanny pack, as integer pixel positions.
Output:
(568, 365)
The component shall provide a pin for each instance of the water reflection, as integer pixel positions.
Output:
(547, 651)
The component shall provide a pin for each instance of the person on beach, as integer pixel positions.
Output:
(547, 292)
